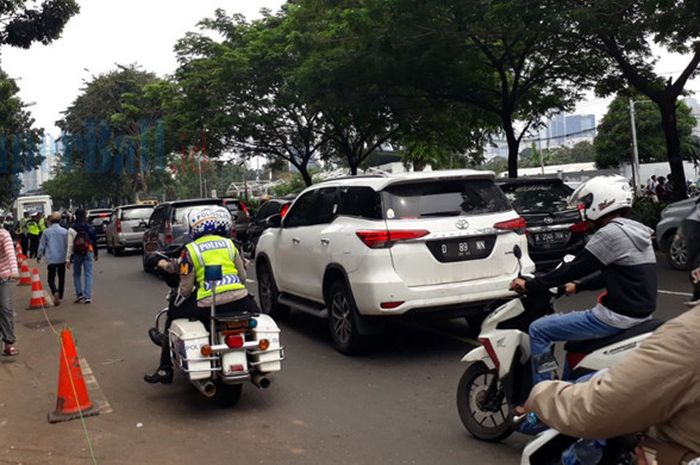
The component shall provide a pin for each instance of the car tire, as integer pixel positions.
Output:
(109, 249)
(268, 293)
(343, 321)
(227, 395)
(470, 395)
(676, 253)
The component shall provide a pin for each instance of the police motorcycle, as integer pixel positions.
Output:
(217, 360)
(498, 375)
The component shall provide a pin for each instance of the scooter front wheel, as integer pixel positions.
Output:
(484, 411)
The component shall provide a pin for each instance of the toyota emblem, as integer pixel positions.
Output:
(462, 224)
(549, 220)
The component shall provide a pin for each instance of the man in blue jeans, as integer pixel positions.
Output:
(82, 251)
(619, 257)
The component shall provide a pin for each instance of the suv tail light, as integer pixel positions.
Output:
(284, 210)
(517, 225)
(383, 239)
(581, 227)
(118, 225)
(244, 208)
(168, 232)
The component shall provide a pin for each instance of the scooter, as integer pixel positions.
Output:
(236, 348)
(499, 377)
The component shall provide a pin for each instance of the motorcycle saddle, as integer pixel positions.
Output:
(587, 346)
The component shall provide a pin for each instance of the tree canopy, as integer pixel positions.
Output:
(25, 22)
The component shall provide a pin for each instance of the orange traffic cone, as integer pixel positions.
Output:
(38, 299)
(73, 398)
(19, 252)
(25, 277)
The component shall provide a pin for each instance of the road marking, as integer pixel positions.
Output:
(97, 397)
(682, 294)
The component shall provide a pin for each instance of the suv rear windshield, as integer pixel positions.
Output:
(443, 198)
(538, 197)
(180, 212)
(136, 213)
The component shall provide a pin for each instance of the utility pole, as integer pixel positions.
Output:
(635, 153)
(199, 168)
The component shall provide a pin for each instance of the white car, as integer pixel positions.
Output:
(356, 249)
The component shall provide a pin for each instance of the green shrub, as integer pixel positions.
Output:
(647, 211)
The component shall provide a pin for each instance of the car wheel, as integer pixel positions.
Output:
(343, 320)
(677, 253)
(227, 395)
(485, 415)
(109, 249)
(269, 294)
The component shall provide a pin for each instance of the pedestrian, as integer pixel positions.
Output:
(53, 245)
(661, 190)
(651, 184)
(8, 273)
(22, 233)
(82, 252)
(33, 232)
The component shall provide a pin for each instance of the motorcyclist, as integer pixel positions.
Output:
(619, 257)
(655, 389)
(209, 229)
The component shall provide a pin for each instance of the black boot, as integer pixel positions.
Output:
(162, 375)
(156, 336)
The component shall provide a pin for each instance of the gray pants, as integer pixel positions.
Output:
(7, 315)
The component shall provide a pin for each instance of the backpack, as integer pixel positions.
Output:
(81, 243)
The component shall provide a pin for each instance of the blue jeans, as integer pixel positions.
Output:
(574, 326)
(83, 263)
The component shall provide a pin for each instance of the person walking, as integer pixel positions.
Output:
(33, 232)
(53, 245)
(8, 273)
(82, 253)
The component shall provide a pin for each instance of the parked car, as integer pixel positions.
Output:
(167, 230)
(554, 228)
(240, 216)
(669, 243)
(98, 218)
(126, 226)
(356, 249)
(260, 223)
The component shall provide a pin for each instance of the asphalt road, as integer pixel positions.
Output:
(396, 406)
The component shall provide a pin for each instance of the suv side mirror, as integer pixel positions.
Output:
(274, 221)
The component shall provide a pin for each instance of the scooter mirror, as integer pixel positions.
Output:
(517, 251)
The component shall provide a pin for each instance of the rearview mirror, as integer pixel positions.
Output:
(274, 221)
(517, 251)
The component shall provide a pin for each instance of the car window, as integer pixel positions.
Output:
(537, 197)
(363, 202)
(274, 208)
(262, 212)
(181, 212)
(325, 205)
(136, 213)
(158, 216)
(443, 198)
(301, 212)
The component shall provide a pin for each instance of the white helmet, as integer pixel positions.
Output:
(209, 220)
(602, 195)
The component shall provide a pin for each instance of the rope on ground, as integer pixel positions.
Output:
(72, 383)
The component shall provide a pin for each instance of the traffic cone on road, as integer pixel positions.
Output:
(72, 398)
(25, 277)
(19, 253)
(38, 299)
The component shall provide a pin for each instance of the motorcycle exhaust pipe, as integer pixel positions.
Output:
(261, 381)
(206, 387)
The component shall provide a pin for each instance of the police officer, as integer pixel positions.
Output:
(209, 228)
(33, 232)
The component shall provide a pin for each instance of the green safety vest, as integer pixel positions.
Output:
(42, 224)
(33, 228)
(214, 250)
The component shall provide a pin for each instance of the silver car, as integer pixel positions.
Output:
(671, 244)
(126, 227)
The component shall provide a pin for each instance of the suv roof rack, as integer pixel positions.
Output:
(358, 176)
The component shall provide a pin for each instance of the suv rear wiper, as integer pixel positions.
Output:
(445, 213)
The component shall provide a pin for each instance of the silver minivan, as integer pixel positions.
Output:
(126, 226)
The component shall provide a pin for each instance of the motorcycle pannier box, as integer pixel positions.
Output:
(186, 341)
(270, 359)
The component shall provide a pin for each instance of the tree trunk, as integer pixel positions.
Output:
(306, 176)
(419, 165)
(669, 124)
(353, 166)
(513, 147)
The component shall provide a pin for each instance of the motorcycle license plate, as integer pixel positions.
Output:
(237, 325)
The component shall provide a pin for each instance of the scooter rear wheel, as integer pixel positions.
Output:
(485, 415)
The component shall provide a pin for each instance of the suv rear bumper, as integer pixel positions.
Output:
(460, 299)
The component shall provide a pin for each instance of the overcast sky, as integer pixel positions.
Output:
(144, 31)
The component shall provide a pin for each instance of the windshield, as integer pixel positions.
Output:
(442, 198)
(137, 213)
(537, 197)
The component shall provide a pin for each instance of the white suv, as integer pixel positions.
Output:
(356, 249)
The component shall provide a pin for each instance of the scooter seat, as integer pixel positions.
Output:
(590, 345)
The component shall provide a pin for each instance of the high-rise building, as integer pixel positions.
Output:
(565, 129)
(32, 180)
(695, 110)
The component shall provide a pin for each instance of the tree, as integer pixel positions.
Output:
(23, 22)
(19, 141)
(111, 138)
(625, 31)
(240, 91)
(613, 144)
